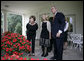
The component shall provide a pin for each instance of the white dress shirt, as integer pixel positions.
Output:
(66, 26)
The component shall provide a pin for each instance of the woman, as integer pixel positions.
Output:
(45, 35)
(65, 32)
(31, 32)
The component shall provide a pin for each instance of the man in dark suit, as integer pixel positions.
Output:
(57, 31)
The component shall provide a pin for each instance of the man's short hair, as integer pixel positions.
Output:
(53, 6)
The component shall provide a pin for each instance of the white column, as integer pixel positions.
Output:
(23, 31)
(25, 20)
(5, 28)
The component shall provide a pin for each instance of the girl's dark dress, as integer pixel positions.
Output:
(44, 35)
(44, 41)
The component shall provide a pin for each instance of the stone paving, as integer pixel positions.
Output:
(68, 54)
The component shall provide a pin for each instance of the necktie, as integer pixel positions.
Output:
(53, 17)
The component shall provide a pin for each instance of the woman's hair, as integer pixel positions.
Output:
(47, 17)
(67, 19)
(33, 17)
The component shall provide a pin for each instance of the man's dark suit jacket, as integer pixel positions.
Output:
(58, 24)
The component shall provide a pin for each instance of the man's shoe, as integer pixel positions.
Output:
(52, 58)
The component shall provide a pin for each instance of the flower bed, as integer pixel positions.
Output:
(14, 43)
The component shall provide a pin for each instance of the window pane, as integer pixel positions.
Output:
(14, 23)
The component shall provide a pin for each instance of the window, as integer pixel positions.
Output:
(14, 23)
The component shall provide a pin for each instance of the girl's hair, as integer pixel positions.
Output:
(33, 17)
(47, 17)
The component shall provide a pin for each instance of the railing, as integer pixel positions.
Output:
(75, 39)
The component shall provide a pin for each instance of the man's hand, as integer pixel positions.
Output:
(49, 37)
(58, 34)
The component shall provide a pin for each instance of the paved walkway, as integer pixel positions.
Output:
(68, 54)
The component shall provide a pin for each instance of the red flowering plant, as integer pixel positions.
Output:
(14, 43)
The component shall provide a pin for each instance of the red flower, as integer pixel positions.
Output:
(25, 58)
(5, 45)
(14, 46)
(3, 48)
(2, 58)
(21, 58)
(29, 49)
(11, 58)
(20, 35)
(10, 49)
(15, 52)
(32, 59)
(30, 42)
(7, 49)
(18, 44)
(20, 48)
(7, 42)
(9, 37)
(17, 57)
(2, 45)
(19, 53)
(45, 59)
(21, 41)
(8, 34)
(7, 54)
(14, 40)
(27, 40)
(19, 38)
(11, 43)
(14, 55)
(24, 38)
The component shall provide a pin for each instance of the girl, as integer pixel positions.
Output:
(45, 35)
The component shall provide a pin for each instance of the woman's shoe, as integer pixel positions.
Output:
(42, 54)
(29, 54)
(46, 55)
(33, 54)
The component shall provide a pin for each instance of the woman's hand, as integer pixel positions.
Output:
(49, 35)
